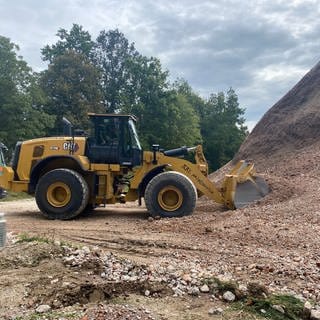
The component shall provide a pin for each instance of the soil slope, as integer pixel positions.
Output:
(290, 125)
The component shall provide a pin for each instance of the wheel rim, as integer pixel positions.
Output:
(58, 194)
(170, 198)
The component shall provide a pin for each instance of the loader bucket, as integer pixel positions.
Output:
(242, 186)
(250, 191)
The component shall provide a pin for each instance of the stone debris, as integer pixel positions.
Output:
(182, 278)
(43, 308)
(215, 311)
(119, 312)
(278, 308)
(229, 296)
(205, 289)
(315, 315)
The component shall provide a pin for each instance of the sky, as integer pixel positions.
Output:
(259, 48)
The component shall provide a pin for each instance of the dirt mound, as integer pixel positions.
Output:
(292, 123)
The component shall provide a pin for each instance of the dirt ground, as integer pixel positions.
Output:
(274, 242)
(34, 274)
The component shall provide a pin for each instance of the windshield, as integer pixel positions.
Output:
(134, 135)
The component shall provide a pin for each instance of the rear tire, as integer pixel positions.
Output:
(62, 194)
(170, 194)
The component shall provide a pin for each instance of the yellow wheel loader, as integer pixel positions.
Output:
(71, 173)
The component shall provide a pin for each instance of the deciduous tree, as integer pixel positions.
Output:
(21, 100)
(71, 83)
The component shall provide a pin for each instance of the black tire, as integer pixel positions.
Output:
(170, 194)
(88, 210)
(62, 194)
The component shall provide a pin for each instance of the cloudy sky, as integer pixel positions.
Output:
(260, 48)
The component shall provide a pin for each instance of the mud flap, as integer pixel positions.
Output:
(249, 191)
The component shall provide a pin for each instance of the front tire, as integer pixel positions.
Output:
(170, 194)
(62, 194)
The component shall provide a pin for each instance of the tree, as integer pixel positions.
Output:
(72, 81)
(182, 122)
(77, 40)
(165, 116)
(72, 86)
(112, 55)
(222, 128)
(183, 88)
(21, 99)
(122, 80)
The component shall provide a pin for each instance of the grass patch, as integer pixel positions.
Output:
(14, 196)
(25, 237)
(257, 298)
(292, 307)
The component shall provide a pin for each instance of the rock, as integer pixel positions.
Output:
(150, 219)
(43, 308)
(54, 281)
(308, 306)
(86, 250)
(215, 311)
(243, 289)
(194, 291)
(229, 296)
(205, 289)
(147, 293)
(178, 292)
(278, 308)
(263, 311)
(65, 284)
(171, 268)
(186, 277)
(306, 313)
(257, 290)
(306, 294)
(315, 315)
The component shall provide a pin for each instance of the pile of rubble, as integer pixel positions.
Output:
(181, 277)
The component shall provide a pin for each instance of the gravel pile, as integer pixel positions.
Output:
(182, 277)
(118, 312)
(185, 277)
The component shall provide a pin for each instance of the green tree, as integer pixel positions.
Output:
(198, 103)
(71, 83)
(182, 122)
(222, 128)
(112, 55)
(165, 116)
(136, 84)
(76, 40)
(21, 100)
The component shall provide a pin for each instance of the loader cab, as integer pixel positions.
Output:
(113, 139)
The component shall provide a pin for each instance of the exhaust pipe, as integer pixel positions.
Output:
(179, 152)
